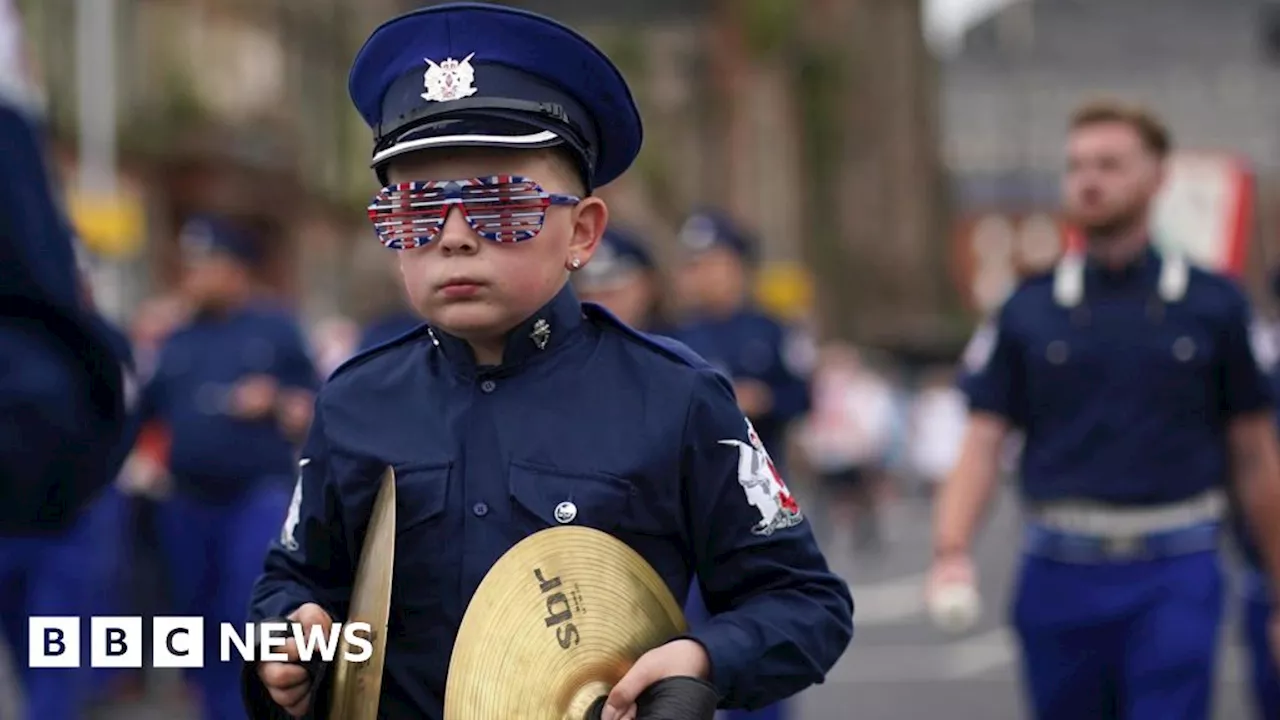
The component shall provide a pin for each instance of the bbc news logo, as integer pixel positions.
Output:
(179, 642)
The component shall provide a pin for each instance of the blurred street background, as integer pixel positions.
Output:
(898, 161)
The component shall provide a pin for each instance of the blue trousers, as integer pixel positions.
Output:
(50, 576)
(106, 556)
(696, 612)
(215, 553)
(1266, 677)
(1130, 641)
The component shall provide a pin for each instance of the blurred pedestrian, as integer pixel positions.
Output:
(846, 438)
(1133, 376)
(937, 428)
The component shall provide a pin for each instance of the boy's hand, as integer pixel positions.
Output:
(288, 682)
(679, 658)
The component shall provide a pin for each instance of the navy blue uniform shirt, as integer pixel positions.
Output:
(62, 388)
(644, 438)
(749, 344)
(212, 452)
(1124, 398)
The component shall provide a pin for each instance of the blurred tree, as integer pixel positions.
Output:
(876, 239)
(863, 91)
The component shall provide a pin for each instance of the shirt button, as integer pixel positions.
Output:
(480, 509)
(488, 386)
(566, 512)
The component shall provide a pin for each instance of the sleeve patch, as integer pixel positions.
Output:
(287, 533)
(763, 486)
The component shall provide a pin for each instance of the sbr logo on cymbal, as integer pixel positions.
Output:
(559, 609)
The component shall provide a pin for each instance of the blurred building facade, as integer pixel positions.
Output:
(235, 107)
(825, 146)
(1205, 67)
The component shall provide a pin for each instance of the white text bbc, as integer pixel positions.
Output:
(178, 642)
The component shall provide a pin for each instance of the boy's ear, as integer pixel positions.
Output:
(590, 218)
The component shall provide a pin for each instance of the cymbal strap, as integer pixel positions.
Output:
(673, 698)
(678, 698)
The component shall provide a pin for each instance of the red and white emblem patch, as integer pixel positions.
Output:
(763, 486)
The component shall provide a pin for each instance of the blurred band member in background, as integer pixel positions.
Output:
(624, 279)
(747, 346)
(1142, 398)
(235, 387)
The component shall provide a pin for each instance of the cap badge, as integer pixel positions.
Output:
(698, 233)
(541, 334)
(449, 80)
(196, 238)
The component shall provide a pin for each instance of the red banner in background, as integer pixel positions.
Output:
(1205, 210)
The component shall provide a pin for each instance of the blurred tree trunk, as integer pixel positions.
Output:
(874, 238)
(730, 129)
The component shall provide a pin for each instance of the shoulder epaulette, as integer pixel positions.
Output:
(1068, 278)
(360, 357)
(665, 346)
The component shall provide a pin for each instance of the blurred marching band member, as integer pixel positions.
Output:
(234, 386)
(747, 346)
(1142, 401)
(624, 279)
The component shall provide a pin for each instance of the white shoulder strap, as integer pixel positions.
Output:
(1068, 279)
(1174, 277)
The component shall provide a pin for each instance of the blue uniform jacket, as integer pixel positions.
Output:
(1125, 398)
(639, 433)
(62, 389)
(750, 344)
(213, 453)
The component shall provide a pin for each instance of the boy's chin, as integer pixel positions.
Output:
(471, 320)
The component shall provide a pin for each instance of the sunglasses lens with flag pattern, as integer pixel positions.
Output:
(502, 209)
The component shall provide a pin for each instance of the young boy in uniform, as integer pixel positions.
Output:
(518, 408)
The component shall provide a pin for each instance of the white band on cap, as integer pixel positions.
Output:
(534, 139)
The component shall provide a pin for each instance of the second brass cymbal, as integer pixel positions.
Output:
(556, 622)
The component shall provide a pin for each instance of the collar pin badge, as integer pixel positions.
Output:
(541, 333)
(449, 80)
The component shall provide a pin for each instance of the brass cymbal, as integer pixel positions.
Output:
(357, 686)
(556, 622)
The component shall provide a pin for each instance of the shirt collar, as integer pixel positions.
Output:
(1145, 265)
(552, 326)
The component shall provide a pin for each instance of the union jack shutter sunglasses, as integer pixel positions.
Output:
(500, 208)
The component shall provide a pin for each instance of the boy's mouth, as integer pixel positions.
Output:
(460, 287)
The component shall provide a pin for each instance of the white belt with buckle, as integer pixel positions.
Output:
(1111, 521)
